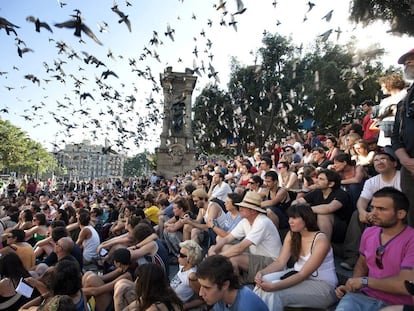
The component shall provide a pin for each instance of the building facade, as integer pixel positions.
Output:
(84, 161)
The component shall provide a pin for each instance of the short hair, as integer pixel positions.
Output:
(122, 255)
(189, 187)
(332, 176)
(18, 234)
(27, 215)
(220, 174)
(235, 197)
(272, 174)
(345, 157)
(268, 161)
(194, 251)
(400, 200)
(84, 218)
(183, 204)
(218, 270)
(58, 233)
(319, 150)
(41, 218)
(257, 179)
(66, 278)
(200, 193)
(142, 231)
(387, 154)
(67, 244)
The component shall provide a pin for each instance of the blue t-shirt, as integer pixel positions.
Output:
(246, 300)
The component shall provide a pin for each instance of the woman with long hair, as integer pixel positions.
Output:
(313, 280)
(11, 271)
(333, 150)
(152, 291)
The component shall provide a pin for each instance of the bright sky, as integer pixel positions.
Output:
(32, 106)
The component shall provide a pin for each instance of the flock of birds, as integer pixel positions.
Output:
(102, 103)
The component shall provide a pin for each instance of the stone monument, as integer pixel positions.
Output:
(176, 153)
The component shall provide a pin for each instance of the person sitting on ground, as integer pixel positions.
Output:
(12, 271)
(173, 228)
(385, 165)
(185, 283)
(121, 241)
(16, 244)
(276, 200)
(219, 188)
(260, 241)
(319, 158)
(386, 257)
(149, 247)
(331, 205)
(353, 176)
(151, 292)
(88, 239)
(220, 287)
(38, 231)
(101, 286)
(65, 248)
(313, 279)
(197, 229)
(232, 218)
(287, 179)
(332, 144)
(66, 279)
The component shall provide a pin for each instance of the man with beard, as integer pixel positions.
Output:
(386, 257)
(402, 139)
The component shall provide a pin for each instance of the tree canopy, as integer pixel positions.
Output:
(20, 154)
(398, 13)
(285, 87)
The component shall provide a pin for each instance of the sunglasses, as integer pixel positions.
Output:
(181, 255)
(378, 259)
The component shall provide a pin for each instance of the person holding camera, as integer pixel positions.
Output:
(402, 140)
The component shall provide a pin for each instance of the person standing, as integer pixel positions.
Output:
(402, 139)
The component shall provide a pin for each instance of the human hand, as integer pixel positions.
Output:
(354, 284)
(258, 279)
(340, 291)
(212, 251)
(266, 286)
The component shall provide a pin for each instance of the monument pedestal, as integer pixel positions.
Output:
(176, 153)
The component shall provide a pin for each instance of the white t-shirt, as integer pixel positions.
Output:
(263, 234)
(221, 191)
(375, 183)
(181, 284)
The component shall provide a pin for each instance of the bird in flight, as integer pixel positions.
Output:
(124, 18)
(79, 26)
(38, 23)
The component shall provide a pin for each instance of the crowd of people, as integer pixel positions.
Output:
(255, 232)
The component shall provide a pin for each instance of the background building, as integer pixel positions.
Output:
(85, 161)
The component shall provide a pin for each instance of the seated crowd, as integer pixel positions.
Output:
(251, 233)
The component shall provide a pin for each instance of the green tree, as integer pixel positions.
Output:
(213, 119)
(140, 164)
(398, 13)
(20, 154)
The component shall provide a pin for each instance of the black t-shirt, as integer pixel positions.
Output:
(315, 197)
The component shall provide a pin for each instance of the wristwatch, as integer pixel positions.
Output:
(365, 281)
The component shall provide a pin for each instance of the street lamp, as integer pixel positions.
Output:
(37, 168)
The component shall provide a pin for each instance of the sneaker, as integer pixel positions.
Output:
(347, 266)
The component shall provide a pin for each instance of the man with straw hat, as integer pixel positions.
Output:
(259, 239)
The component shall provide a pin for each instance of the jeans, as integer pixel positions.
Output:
(359, 302)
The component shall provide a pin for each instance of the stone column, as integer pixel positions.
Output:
(176, 151)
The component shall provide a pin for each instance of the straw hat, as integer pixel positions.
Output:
(252, 200)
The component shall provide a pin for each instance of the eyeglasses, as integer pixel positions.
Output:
(378, 259)
(181, 255)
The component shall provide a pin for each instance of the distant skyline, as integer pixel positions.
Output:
(51, 111)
